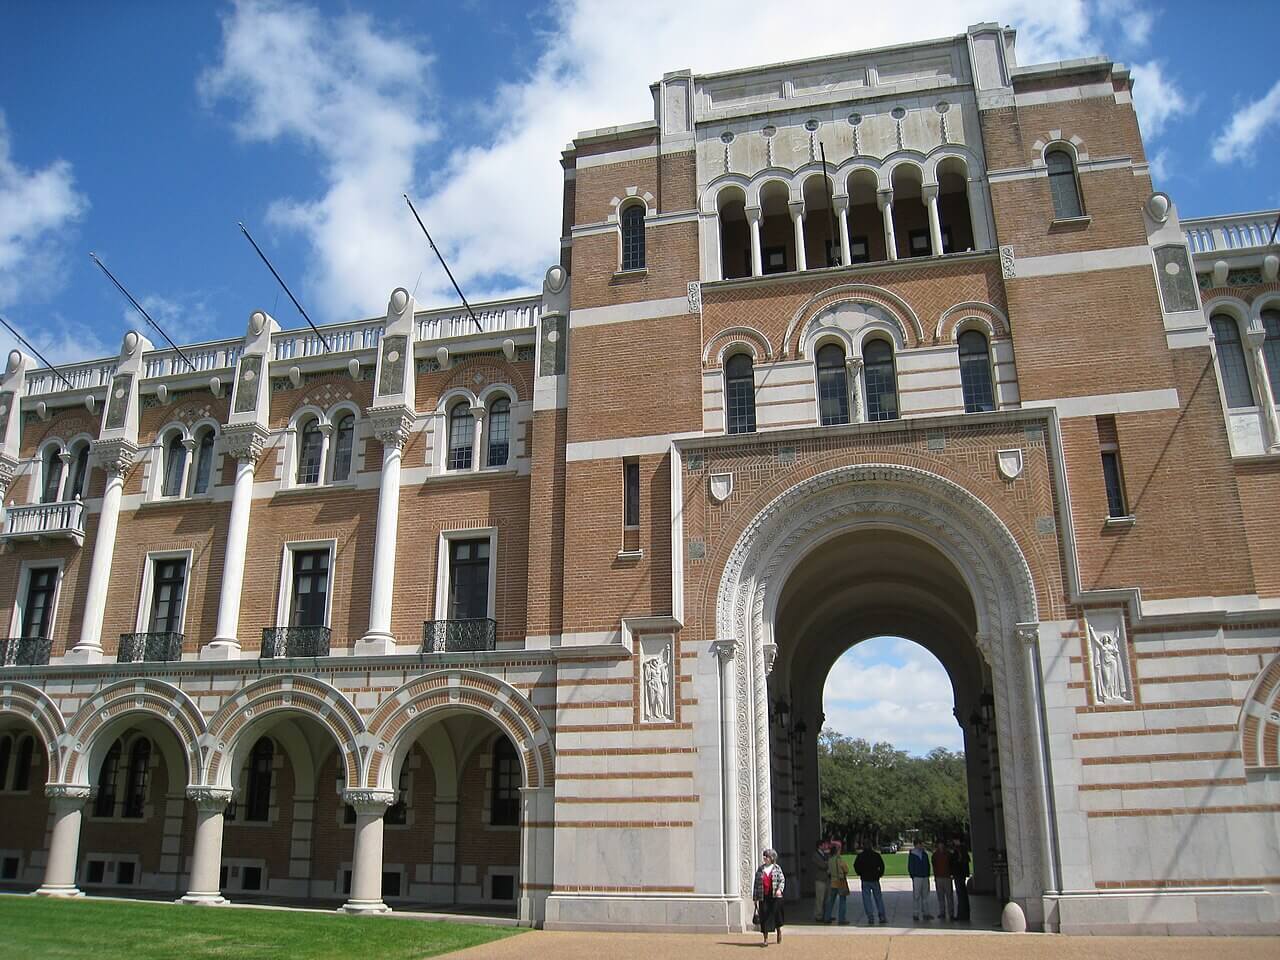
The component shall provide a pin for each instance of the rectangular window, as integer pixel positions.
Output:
(833, 253)
(124, 872)
(504, 887)
(918, 243)
(391, 883)
(631, 493)
(37, 614)
(9, 868)
(251, 878)
(167, 594)
(775, 260)
(1112, 470)
(310, 588)
(468, 579)
(97, 871)
(946, 240)
(859, 250)
(505, 809)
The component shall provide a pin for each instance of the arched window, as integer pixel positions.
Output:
(6, 750)
(740, 394)
(175, 464)
(344, 436)
(135, 795)
(1063, 185)
(204, 461)
(52, 474)
(504, 809)
(833, 386)
(310, 449)
(499, 432)
(22, 765)
(257, 794)
(1271, 348)
(975, 373)
(462, 436)
(79, 472)
(104, 804)
(1231, 363)
(882, 391)
(633, 237)
(398, 813)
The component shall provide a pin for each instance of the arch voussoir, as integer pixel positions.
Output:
(34, 706)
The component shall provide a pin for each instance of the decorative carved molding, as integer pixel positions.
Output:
(209, 798)
(115, 456)
(726, 650)
(1009, 463)
(244, 441)
(695, 296)
(1027, 632)
(1008, 264)
(770, 656)
(720, 486)
(69, 791)
(657, 678)
(391, 425)
(369, 802)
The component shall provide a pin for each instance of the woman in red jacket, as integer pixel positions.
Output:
(766, 891)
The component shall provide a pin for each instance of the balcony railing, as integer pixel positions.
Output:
(494, 318)
(81, 376)
(341, 337)
(1239, 232)
(34, 521)
(295, 642)
(149, 647)
(459, 636)
(25, 651)
(219, 355)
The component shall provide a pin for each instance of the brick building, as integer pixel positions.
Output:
(536, 609)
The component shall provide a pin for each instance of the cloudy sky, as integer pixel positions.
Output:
(145, 130)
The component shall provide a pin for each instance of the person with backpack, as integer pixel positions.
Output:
(869, 866)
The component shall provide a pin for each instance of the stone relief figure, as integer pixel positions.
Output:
(1109, 685)
(657, 685)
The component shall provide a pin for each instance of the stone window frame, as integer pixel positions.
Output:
(327, 421)
(634, 197)
(437, 456)
(127, 738)
(146, 591)
(284, 598)
(1073, 148)
(113, 859)
(158, 463)
(18, 614)
(10, 773)
(443, 584)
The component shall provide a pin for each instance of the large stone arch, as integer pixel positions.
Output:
(32, 705)
(100, 720)
(992, 564)
(248, 711)
(1260, 720)
(402, 715)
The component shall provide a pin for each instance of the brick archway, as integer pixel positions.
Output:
(33, 706)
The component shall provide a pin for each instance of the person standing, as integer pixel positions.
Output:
(838, 885)
(869, 866)
(821, 864)
(942, 882)
(918, 870)
(766, 891)
(959, 876)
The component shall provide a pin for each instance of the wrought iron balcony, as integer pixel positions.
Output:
(459, 636)
(25, 651)
(36, 521)
(149, 647)
(295, 642)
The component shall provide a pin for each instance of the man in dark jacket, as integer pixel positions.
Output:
(869, 866)
(960, 877)
(918, 870)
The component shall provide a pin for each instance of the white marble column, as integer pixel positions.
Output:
(206, 855)
(116, 457)
(885, 199)
(842, 211)
(326, 436)
(67, 802)
(64, 457)
(188, 454)
(366, 861)
(930, 195)
(757, 260)
(244, 443)
(392, 429)
(477, 438)
(1254, 341)
(727, 653)
(854, 367)
(797, 222)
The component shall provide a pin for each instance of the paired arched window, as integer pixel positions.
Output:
(462, 436)
(135, 796)
(975, 373)
(344, 436)
(1271, 348)
(79, 471)
(1232, 367)
(204, 461)
(1063, 185)
(175, 465)
(104, 804)
(499, 422)
(52, 475)
(257, 794)
(504, 807)
(310, 452)
(633, 237)
(878, 372)
(740, 394)
(833, 386)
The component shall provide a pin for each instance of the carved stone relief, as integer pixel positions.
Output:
(657, 679)
(118, 401)
(1108, 657)
(247, 383)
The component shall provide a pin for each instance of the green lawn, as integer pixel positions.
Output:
(113, 930)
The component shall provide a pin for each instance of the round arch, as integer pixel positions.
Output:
(34, 707)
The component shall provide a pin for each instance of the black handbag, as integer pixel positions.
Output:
(755, 918)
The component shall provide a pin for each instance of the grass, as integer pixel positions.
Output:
(115, 930)
(895, 864)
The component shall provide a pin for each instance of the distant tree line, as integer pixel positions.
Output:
(874, 793)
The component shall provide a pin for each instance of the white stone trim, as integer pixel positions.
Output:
(20, 599)
(283, 601)
(1137, 401)
(624, 312)
(619, 447)
(1086, 91)
(617, 156)
(441, 611)
(147, 593)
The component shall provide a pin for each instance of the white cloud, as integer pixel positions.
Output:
(1238, 138)
(1162, 167)
(36, 208)
(1133, 20)
(1157, 98)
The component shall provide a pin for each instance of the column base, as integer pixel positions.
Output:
(204, 899)
(375, 645)
(83, 654)
(364, 906)
(221, 649)
(58, 890)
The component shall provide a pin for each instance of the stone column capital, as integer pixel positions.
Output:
(753, 214)
(209, 798)
(391, 425)
(797, 208)
(70, 793)
(369, 802)
(840, 203)
(1027, 632)
(115, 456)
(726, 650)
(929, 192)
(884, 198)
(244, 441)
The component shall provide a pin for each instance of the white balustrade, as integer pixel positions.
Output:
(342, 338)
(44, 519)
(494, 318)
(1239, 232)
(204, 357)
(81, 376)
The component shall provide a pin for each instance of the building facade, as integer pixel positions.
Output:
(534, 607)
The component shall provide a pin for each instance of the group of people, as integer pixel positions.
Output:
(950, 869)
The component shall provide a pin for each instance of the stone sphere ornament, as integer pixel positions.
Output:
(556, 278)
(15, 358)
(399, 299)
(131, 341)
(1158, 207)
(257, 320)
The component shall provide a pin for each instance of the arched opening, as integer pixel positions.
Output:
(498, 432)
(24, 811)
(1233, 369)
(462, 432)
(202, 476)
(344, 437)
(910, 215)
(976, 384)
(735, 233)
(51, 474)
(310, 452)
(76, 485)
(954, 215)
(777, 233)
(866, 223)
(175, 465)
(821, 235)
(632, 226)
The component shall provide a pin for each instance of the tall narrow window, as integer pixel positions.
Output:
(462, 435)
(344, 438)
(79, 472)
(22, 763)
(104, 804)
(833, 386)
(135, 794)
(167, 593)
(1112, 470)
(1063, 186)
(631, 493)
(882, 390)
(310, 588)
(398, 813)
(499, 423)
(52, 475)
(6, 750)
(204, 462)
(975, 373)
(633, 237)
(175, 465)
(468, 579)
(1271, 349)
(740, 394)
(257, 795)
(37, 613)
(310, 450)
(504, 809)
(1231, 362)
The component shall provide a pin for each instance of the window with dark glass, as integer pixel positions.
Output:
(167, 593)
(6, 752)
(257, 795)
(175, 462)
(135, 794)
(1112, 469)
(344, 436)
(462, 434)
(37, 613)
(975, 373)
(946, 240)
(918, 244)
(52, 475)
(310, 588)
(833, 386)
(79, 472)
(1063, 186)
(1232, 366)
(505, 806)
(740, 394)
(882, 390)
(204, 462)
(1271, 349)
(775, 260)
(633, 237)
(22, 763)
(468, 579)
(859, 250)
(499, 435)
(398, 813)
(104, 804)
(631, 493)
(310, 450)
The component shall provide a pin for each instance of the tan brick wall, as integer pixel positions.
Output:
(671, 261)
